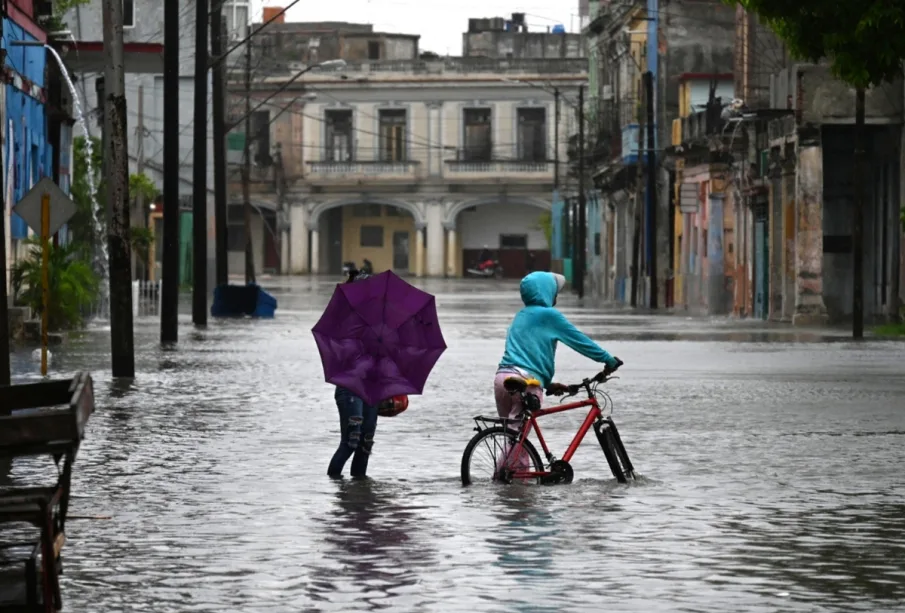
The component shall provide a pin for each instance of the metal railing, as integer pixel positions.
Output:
(145, 301)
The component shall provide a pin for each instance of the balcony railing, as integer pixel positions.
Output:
(354, 170)
(499, 167)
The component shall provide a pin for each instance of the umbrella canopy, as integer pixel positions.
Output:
(379, 337)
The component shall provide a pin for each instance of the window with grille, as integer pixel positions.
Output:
(371, 236)
(392, 135)
(339, 136)
(532, 135)
(478, 136)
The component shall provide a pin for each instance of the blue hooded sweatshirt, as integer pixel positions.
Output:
(532, 337)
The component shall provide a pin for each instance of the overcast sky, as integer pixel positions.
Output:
(439, 22)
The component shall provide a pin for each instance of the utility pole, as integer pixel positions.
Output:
(169, 299)
(639, 191)
(219, 132)
(246, 171)
(118, 231)
(199, 167)
(5, 378)
(140, 205)
(651, 189)
(582, 204)
(858, 221)
(556, 138)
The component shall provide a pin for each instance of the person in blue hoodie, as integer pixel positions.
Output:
(532, 339)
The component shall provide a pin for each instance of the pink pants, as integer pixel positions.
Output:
(509, 406)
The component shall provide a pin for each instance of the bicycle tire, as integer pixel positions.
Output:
(477, 438)
(615, 453)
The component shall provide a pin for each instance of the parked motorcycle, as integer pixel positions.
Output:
(486, 269)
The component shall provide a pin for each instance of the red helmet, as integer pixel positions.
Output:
(391, 407)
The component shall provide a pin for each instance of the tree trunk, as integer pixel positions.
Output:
(858, 221)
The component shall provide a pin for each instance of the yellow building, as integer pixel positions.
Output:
(385, 235)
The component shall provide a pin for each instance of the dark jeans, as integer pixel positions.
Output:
(357, 424)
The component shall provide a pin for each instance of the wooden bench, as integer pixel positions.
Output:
(38, 419)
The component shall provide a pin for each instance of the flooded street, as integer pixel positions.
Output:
(771, 462)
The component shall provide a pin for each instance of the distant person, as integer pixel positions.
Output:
(484, 255)
(530, 261)
(531, 343)
(366, 267)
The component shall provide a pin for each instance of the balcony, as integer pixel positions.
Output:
(497, 170)
(330, 173)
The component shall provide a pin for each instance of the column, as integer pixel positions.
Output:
(315, 252)
(434, 235)
(809, 306)
(298, 238)
(451, 251)
(776, 242)
(716, 278)
(419, 250)
(788, 234)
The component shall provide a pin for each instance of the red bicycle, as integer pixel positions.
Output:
(513, 457)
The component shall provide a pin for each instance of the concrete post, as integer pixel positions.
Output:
(419, 250)
(788, 233)
(451, 251)
(716, 279)
(298, 238)
(434, 214)
(809, 306)
(315, 252)
(776, 243)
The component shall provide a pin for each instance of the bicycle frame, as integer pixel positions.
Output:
(593, 415)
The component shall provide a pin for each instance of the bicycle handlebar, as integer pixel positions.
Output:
(602, 377)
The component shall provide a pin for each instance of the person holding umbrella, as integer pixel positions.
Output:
(378, 339)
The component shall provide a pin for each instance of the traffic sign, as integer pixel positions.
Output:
(62, 208)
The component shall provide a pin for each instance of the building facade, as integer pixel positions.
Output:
(35, 111)
(143, 45)
(765, 189)
(419, 166)
(686, 45)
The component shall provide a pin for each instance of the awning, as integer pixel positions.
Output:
(139, 58)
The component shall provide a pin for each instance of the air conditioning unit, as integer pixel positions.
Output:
(607, 93)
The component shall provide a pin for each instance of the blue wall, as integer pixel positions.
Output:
(32, 156)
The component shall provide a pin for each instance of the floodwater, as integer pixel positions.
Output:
(771, 462)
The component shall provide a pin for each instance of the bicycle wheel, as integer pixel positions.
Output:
(614, 450)
(487, 450)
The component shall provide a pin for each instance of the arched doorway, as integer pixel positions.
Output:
(381, 231)
(514, 230)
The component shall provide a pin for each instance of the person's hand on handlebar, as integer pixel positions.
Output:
(557, 389)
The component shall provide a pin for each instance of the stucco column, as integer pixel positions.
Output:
(788, 235)
(809, 306)
(315, 252)
(716, 271)
(298, 239)
(434, 231)
(419, 250)
(451, 251)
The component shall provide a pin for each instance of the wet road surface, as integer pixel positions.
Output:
(771, 463)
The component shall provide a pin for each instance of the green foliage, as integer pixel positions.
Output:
(84, 234)
(141, 242)
(60, 8)
(141, 185)
(862, 39)
(73, 284)
(545, 225)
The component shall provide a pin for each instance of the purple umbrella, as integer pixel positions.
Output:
(379, 337)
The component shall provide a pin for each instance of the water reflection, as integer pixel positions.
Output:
(375, 548)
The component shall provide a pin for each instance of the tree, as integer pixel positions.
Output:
(862, 41)
(82, 227)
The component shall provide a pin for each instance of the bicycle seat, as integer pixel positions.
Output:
(517, 385)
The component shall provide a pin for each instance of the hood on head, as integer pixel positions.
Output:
(541, 288)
